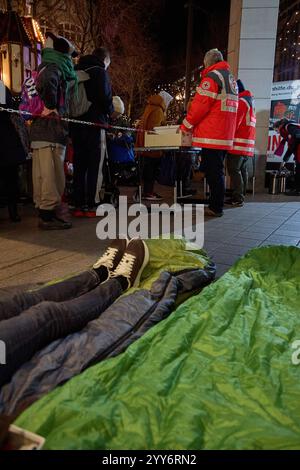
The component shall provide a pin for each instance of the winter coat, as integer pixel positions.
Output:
(12, 151)
(153, 116)
(120, 148)
(53, 91)
(244, 139)
(212, 115)
(98, 89)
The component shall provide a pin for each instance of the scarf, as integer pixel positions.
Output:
(63, 62)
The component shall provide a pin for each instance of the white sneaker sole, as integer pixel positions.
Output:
(146, 261)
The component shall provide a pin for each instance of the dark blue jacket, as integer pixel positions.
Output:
(98, 89)
(120, 149)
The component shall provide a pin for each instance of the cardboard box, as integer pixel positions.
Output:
(167, 136)
(20, 439)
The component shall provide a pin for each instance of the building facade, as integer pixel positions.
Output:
(21, 42)
(264, 52)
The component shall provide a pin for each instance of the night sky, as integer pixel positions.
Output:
(211, 22)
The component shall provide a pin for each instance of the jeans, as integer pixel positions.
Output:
(55, 312)
(212, 163)
(238, 172)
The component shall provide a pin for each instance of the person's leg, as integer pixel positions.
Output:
(80, 166)
(50, 197)
(60, 177)
(245, 176)
(214, 170)
(94, 156)
(36, 177)
(68, 289)
(234, 163)
(59, 292)
(12, 191)
(187, 171)
(29, 332)
(148, 174)
(37, 327)
(52, 185)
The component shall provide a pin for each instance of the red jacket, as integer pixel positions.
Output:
(212, 115)
(244, 139)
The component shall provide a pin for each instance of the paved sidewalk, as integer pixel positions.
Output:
(255, 224)
(30, 257)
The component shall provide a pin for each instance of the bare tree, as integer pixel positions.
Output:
(120, 25)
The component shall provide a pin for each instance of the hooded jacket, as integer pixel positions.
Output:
(153, 116)
(212, 115)
(53, 92)
(244, 139)
(98, 89)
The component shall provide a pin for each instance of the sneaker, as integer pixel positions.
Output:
(131, 266)
(54, 224)
(187, 192)
(210, 213)
(152, 197)
(112, 255)
(90, 213)
(231, 202)
(78, 213)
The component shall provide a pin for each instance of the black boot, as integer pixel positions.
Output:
(13, 213)
(49, 221)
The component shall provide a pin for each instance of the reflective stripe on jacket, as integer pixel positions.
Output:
(245, 134)
(212, 115)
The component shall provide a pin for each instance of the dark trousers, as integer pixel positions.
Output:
(183, 169)
(53, 314)
(10, 182)
(150, 172)
(238, 172)
(87, 153)
(212, 163)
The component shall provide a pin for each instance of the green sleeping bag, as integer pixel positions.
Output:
(217, 374)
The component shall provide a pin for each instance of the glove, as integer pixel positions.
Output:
(184, 129)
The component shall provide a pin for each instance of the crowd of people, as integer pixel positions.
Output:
(220, 117)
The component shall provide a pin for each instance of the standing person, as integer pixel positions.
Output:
(212, 119)
(154, 116)
(243, 146)
(89, 141)
(13, 153)
(184, 163)
(49, 136)
(290, 133)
